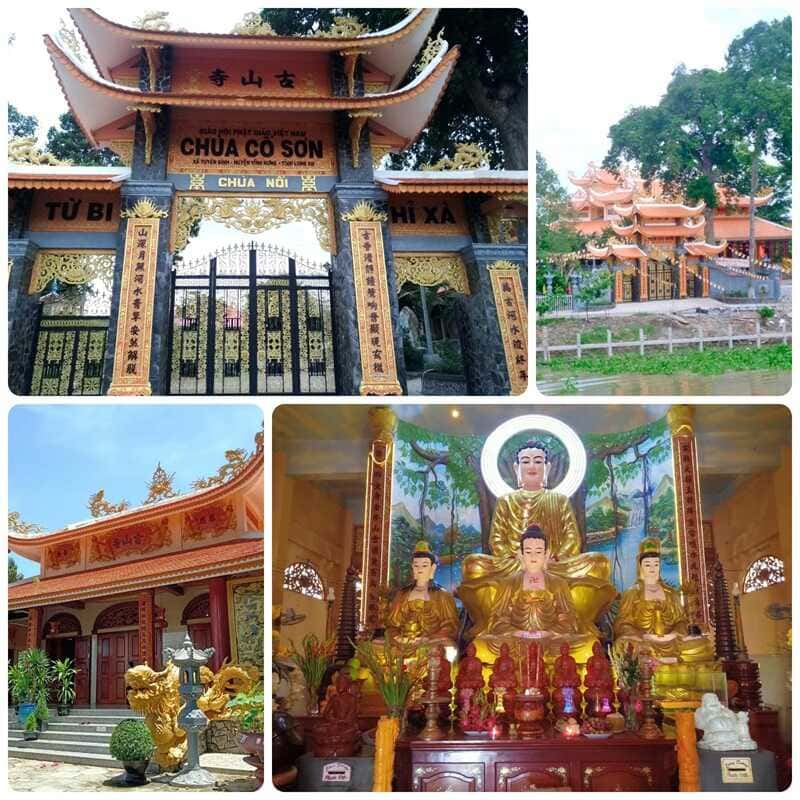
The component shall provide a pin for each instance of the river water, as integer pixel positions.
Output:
(752, 382)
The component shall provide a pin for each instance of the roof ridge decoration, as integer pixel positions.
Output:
(345, 27)
(253, 25)
(433, 48)
(468, 155)
(100, 507)
(24, 150)
(235, 461)
(152, 21)
(19, 526)
(70, 40)
(160, 486)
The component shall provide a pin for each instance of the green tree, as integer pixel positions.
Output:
(486, 101)
(759, 68)
(69, 143)
(685, 141)
(14, 573)
(556, 236)
(594, 287)
(21, 125)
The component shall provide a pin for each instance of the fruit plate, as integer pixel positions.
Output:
(605, 735)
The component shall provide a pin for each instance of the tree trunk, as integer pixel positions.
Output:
(514, 133)
(752, 210)
(708, 213)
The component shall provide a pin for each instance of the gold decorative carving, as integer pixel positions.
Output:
(358, 119)
(344, 28)
(17, 525)
(364, 211)
(135, 539)
(197, 181)
(432, 49)
(156, 696)
(23, 150)
(512, 318)
(69, 39)
(382, 423)
(431, 269)
(160, 486)
(152, 53)
(152, 21)
(124, 149)
(246, 620)
(148, 115)
(350, 61)
(235, 462)
(308, 183)
(100, 507)
(373, 310)
(215, 519)
(131, 374)
(71, 266)
(253, 25)
(379, 152)
(681, 420)
(63, 556)
(467, 156)
(144, 209)
(588, 772)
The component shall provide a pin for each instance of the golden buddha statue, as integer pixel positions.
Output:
(487, 578)
(651, 615)
(534, 604)
(422, 611)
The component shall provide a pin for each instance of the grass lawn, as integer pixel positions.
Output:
(712, 361)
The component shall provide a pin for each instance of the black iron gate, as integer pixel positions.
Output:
(251, 319)
(69, 356)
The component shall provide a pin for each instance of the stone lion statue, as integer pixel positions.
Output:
(155, 696)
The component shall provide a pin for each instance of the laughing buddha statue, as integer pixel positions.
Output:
(651, 615)
(491, 581)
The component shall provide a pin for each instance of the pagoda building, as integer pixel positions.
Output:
(245, 133)
(658, 250)
(117, 589)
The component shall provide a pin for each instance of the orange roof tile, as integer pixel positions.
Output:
(738, 228)
(204, 562)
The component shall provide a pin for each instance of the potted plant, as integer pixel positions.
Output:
(313, 660)
(19, 686)
(31, 732)
(42, 712)
(64, 676)
(133, 745)
(36, 666)
(248, 708)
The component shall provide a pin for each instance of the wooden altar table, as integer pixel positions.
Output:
(460, 763)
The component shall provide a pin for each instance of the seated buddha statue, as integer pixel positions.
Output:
(584, 576)
(535, 604)
(422, 611)
(651, 614)
(336, 733)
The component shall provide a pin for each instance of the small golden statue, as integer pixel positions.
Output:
(422, 611)
(651, 615)
(488, 579)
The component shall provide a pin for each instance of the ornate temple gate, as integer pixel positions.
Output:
(251, 319)
(660, 281)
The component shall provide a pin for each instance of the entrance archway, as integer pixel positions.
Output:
(63, 639)
(197, 619)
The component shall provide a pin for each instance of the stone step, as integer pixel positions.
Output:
(79, 723)
(68, 746)
(71, 727)
(53, 734)
(211, 761)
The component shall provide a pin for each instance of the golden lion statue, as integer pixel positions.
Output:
(155, 695)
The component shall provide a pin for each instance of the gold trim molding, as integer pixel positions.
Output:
(144, 209)
(364, 211)
(467, 156)
(71, 266)
(512, 318)
(253, 215)
(431, 269)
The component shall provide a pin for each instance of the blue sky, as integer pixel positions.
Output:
(59, 455)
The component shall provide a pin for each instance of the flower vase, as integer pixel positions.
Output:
(312, 701)
(631, 716)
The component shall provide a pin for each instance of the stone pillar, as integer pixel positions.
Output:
(33, 635)
(705, 280)
(147, 629)
(218, 612)
(377, 514)
(24, 311)
(481, 333)
(148, 182)
(687, 501)
(682, 276)
(643, 285)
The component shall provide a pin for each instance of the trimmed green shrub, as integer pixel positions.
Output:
(131, 741)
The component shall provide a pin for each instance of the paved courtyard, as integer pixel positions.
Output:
(25, 775)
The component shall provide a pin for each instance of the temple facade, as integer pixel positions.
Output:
(659, 249)
(114, 591)
(162, 276)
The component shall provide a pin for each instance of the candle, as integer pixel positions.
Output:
(736, 591)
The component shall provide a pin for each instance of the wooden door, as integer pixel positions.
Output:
(201, 635)
(115, 650)
(83, 664)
